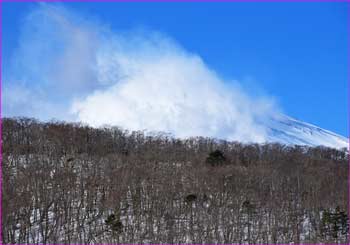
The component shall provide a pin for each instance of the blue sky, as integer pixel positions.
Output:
(294, 53)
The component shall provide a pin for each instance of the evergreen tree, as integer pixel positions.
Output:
(216, 158)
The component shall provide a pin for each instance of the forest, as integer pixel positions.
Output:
(71, 183)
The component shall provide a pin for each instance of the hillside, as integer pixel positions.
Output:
(70, 183)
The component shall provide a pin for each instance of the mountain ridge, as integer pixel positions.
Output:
(287, 130)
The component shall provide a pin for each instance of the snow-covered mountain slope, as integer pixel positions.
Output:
(286, 130)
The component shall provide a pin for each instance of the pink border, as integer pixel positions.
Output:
(1, 123)
(348, 36)
(174, 0)
(348, 29)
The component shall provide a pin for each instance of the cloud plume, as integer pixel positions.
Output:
(138, 80)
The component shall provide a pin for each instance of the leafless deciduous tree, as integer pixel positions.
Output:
(70, 183)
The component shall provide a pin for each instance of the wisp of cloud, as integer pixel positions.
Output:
(76, 69)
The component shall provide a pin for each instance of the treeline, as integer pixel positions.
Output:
(70, 183)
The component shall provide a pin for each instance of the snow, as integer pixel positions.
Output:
(287, 130)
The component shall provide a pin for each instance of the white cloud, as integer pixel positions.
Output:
(135, 80)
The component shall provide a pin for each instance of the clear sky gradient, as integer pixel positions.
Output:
(295, 52)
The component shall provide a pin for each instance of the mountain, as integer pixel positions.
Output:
(287, 130)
